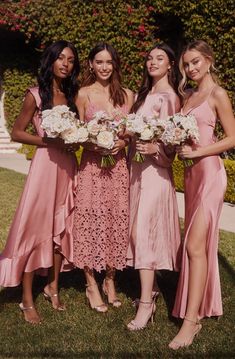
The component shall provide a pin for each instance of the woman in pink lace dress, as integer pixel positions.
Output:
(199, 294)
(102, 196)
(41, 233)
(154, 222)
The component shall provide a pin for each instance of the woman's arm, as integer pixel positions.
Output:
(19, 133)
(223, 108)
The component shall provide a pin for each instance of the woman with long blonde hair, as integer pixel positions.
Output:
(199, 294)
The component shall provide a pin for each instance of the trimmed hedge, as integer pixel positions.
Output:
(131, 27)
(178, 171)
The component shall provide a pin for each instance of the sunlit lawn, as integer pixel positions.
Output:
(82, 333)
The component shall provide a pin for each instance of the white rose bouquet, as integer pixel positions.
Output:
(61, 122)
(145, 128)
(179, 130)
(103, 131)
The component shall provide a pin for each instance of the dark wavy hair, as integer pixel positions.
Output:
(45, 76)
(117, 92)
(147, 81)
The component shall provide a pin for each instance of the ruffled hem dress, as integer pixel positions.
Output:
(43, 220)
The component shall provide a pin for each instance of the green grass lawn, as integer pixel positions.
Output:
(80, 332)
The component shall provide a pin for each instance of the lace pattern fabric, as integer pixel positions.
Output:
(101, 213)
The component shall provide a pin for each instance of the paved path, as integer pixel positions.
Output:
(17, 162)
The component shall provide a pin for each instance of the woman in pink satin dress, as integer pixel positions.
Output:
(154, 222)
(102, 198)
(41, 233)
(199, 294)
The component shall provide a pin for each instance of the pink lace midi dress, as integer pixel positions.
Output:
(154, 221)
(205, 185)
(101, 211)
(44, 217)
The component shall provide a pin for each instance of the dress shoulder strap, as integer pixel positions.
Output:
(211, 91)
(35, 92)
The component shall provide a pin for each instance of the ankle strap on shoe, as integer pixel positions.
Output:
(145, 302)
(191, 321)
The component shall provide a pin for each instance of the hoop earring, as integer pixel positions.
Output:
(91, 70)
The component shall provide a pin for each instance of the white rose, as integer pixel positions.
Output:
(93, 127)
(147, 134)
(70, 135)
(105, 139)
(82, 134)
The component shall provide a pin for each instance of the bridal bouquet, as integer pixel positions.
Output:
(146, 129)
(61, 122)
(103, 131)
(179, 130)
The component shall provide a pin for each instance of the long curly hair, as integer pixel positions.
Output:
(117, 92)
(147, 81)
(206, 51)
(45, 77)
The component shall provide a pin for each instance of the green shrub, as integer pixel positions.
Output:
(132, 27)
(178, 172)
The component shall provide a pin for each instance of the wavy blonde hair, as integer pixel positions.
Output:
(204, 49)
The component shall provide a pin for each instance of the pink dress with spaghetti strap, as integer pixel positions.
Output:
(101, 210)
(44, 217)
(154, 221)
(205, 185)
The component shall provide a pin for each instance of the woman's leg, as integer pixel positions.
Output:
(51, 291)
(146, 304)
(27, 305)
(92, 292)
(196, 250)
(109, 286)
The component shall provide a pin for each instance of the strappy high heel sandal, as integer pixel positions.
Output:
(61, 307)
(136, 301)
(25, 309)
(134, 325)
(175, 344)
(101, 308)
(116, 302)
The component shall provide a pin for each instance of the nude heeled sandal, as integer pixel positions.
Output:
(101, 308)
(116, 302)
(134, 326)
(24, 309)
(47, 296)
(175, 345)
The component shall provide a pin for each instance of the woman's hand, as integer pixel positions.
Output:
(187, 151)
(147, 148)
(119, 145)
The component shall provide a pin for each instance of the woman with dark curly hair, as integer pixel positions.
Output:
(40, 235)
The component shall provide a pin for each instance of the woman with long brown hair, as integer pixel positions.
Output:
(199, 294)
(101, 212)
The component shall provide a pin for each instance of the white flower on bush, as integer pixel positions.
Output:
(105, 139)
